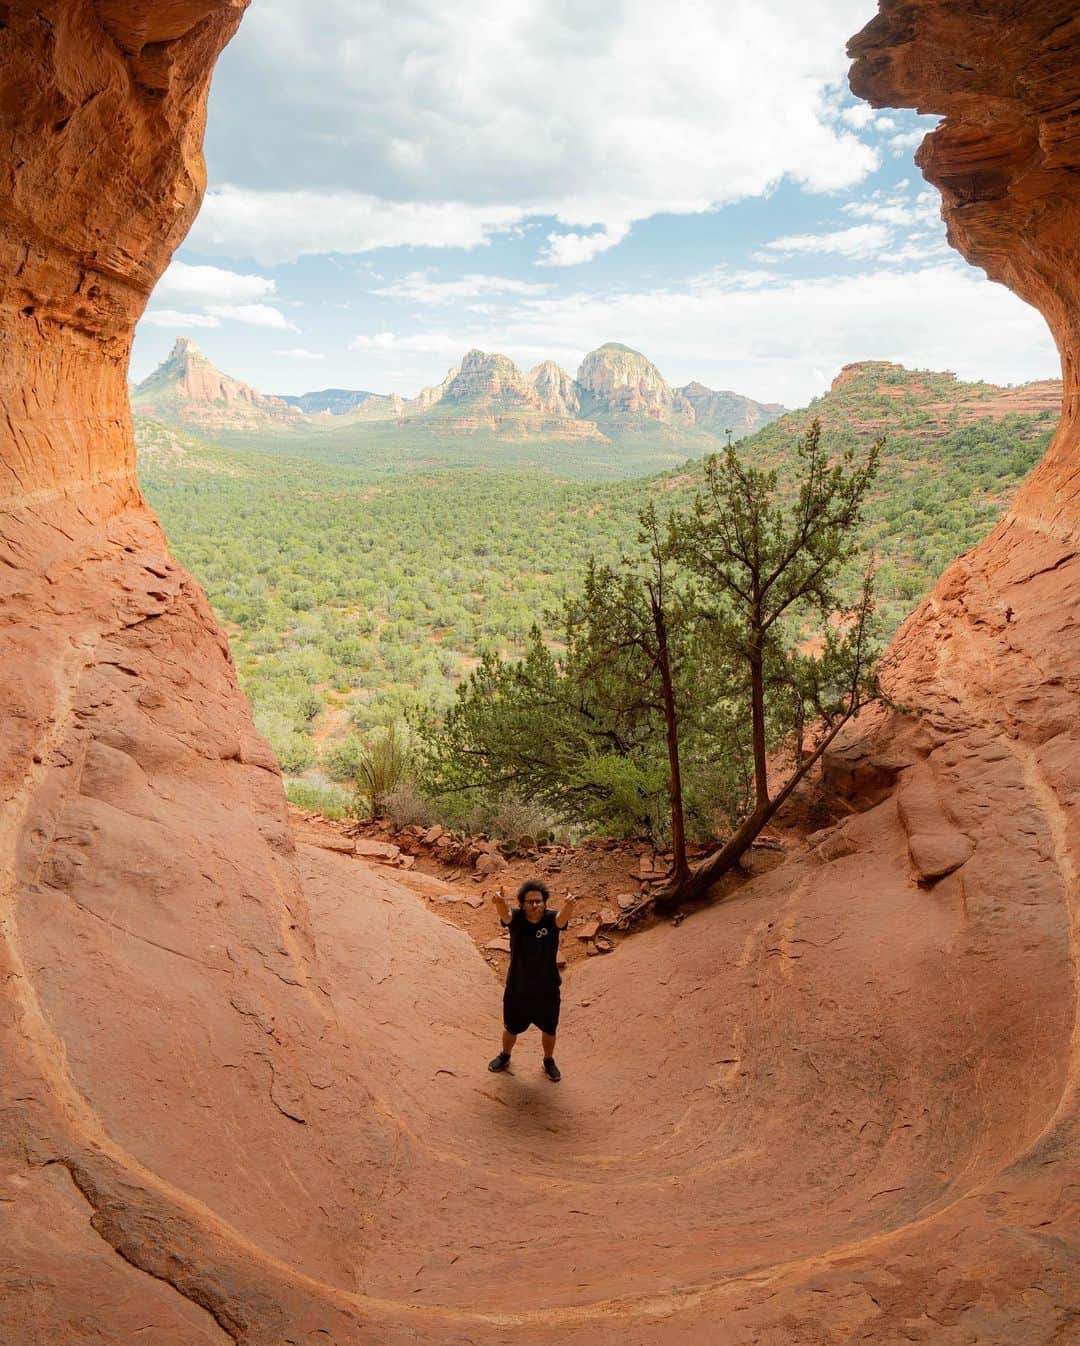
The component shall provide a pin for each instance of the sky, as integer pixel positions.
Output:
(393, 182)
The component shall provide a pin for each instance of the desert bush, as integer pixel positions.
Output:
(509, 818)
(383, 764)
(407, 806)
(329, 800)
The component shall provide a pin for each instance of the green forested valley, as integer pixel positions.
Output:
(354, 590)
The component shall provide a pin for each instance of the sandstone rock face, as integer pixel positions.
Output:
(187, 387)
(558, 393)
(493, 379)
(622, 381)
(488, 393)
(1005, 161)
(243, 1094)
(428, 397)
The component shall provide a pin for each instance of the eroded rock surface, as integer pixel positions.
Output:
(243, 1093)
(187, 387)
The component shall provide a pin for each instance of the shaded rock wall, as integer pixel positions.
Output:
(1007, 81)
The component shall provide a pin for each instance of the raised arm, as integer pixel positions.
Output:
(566, 911)
(499, 902)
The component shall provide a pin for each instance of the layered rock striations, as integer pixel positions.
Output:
(487, 393)
(557, 392)
(188, 388)
(1005, 159)
(243, 1094)
(621, 383)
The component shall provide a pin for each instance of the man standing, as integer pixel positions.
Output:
(532, 980)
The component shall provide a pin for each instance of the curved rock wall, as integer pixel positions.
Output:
(103, 107)
(240, 1097)
(1007, 81)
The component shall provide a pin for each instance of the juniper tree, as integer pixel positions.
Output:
(593, 734)
(767, 564)
(634, 629)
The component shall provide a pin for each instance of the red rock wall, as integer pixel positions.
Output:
(1007, 81)
(239, 1094)
(103, 107)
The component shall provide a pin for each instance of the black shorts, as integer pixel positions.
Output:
(519, 1011)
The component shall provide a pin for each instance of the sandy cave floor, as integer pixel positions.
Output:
(808, 1067)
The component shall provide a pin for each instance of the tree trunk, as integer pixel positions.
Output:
(671, 723)
(757, 721)
(704, 875)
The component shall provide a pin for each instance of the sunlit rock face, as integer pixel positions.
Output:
(557, 391)
(490, 380)
(103, 173)
(620, 381)
(187, 387)
(242, 1084)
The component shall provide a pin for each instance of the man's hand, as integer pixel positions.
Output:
(498, 900)
(566, 911)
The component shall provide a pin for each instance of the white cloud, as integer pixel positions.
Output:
(422, 287)
(573, 249)
(211, 284)
(858, 116)
(861, 240)
(907, 140)
(218, 294)
(424, 343)
(256, 315)
(171, 317)
(299, 353)
(280, 226)
(438, 132)
(898, 208)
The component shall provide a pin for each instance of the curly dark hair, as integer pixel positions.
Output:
(532, 886)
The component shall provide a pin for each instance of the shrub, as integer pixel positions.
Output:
(509, 817)
(408, 806)
(383, 764)
(329, 800)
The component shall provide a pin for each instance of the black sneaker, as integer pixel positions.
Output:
(551, 1070)
(499, 1062)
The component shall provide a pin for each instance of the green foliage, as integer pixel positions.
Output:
(415, 572)
(383, 767)
(770, 564)
(329, 800)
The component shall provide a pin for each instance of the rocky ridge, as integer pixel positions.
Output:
(188, 387)
(617, 390)
(621, 383)
(328, 401)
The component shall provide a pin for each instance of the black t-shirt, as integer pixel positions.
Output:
(534, 953)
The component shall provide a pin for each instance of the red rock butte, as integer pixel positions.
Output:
(242, 1093)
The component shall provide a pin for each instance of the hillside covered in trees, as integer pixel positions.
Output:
(354, 591)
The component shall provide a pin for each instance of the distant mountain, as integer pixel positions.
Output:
(487, 393)
(623, 389)
(720, 412)
(187, 388)
(617, 392)
(332, 401)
